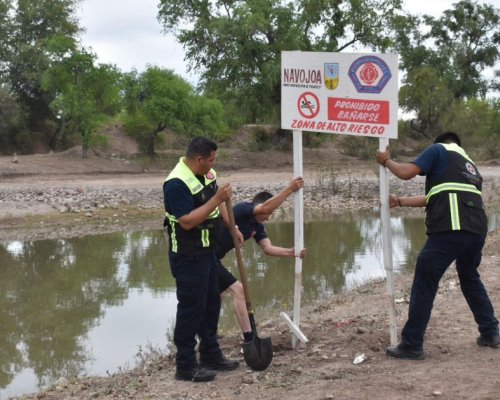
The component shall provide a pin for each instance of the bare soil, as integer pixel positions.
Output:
(350, 324)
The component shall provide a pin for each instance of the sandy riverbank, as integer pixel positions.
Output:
(338, 329)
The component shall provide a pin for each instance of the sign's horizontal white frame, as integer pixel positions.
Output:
(340, 93)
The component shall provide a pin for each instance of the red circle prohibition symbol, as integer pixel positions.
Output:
(308, 105)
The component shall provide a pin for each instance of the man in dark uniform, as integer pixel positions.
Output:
(193, 220)
(456, 228)
(249, 218)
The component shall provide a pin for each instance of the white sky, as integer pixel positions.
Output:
(126, 32)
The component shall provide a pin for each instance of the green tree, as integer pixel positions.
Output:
(237, 44)
(85, 94)
(13, 135)
(426, 96)
(460, 44)
(158, 99)
(478, 122)
(467, 39)
(35, 25)
(5, 33)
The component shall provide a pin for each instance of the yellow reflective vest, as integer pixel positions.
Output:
(454, 200)
(204, 237)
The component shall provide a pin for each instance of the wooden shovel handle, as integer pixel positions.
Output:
(239, 259)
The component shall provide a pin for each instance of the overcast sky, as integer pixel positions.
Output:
(127, 33)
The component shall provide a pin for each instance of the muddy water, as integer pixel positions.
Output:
(89, 305)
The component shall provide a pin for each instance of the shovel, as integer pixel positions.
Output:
(258, 353)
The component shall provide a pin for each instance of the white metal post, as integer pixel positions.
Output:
(299, 230)
(387, 242)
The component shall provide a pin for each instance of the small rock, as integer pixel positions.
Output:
(437, 393)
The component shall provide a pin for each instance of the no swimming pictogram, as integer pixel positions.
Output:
(308, 105)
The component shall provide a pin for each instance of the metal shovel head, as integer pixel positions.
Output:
(258, 353)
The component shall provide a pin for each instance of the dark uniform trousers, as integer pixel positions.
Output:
(440, 250)
(198, 308)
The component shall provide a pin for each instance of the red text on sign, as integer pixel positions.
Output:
(338, 127)
(357, 110)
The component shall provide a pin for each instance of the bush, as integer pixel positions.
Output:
(267, 137)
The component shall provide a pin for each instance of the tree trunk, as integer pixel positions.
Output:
(85, 150)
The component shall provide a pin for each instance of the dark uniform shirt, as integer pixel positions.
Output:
(177, 197)
(248, 226)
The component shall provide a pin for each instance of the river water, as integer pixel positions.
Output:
(87, 306)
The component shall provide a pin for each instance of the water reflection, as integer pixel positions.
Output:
(85, 305)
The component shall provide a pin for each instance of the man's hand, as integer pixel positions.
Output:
(223, 193)
(383, 156)
(303, 253)
(393, 201)
(240, 237)
(296, 184)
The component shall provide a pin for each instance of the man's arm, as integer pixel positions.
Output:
(410, 201)
(200, 214)
(403, 171)
(276, 251)
(274, 202)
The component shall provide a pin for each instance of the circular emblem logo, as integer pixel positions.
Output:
(369, 73)
(210, 175)
(470, 168)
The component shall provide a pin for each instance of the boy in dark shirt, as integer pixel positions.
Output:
(249, 218)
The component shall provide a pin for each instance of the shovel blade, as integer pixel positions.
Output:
(258, 353)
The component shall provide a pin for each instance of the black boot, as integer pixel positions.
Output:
(197, 374)
(403, 351)
(493, 341)
(220, 364)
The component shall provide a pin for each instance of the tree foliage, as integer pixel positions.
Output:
(237, 44)
(478, 121)
(5, 33)
(444, 60)
(35, 25)
(85, 93)
(158, 99)
(467, 40)
(13, 134)
(426, 96)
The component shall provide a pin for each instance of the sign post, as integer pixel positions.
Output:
(299, 230)
(385, 216)
(346, 94)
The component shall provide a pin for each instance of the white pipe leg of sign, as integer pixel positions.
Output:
(299, 230)
(387, 242)
(294, 328)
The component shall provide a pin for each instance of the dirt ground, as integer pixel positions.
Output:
(338, 330)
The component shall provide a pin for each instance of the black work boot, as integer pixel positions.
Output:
(493, 341)
(403, 351)
(197, 374)
(220, 364)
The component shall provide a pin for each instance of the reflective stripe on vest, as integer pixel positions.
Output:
(205, 238)
(455, 216)
(452, 187)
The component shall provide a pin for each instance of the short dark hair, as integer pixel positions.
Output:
(447, 137)
(261, 197)
(200, 146)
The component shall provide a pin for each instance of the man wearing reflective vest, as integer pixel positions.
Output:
(456, 228)
(193, 220)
